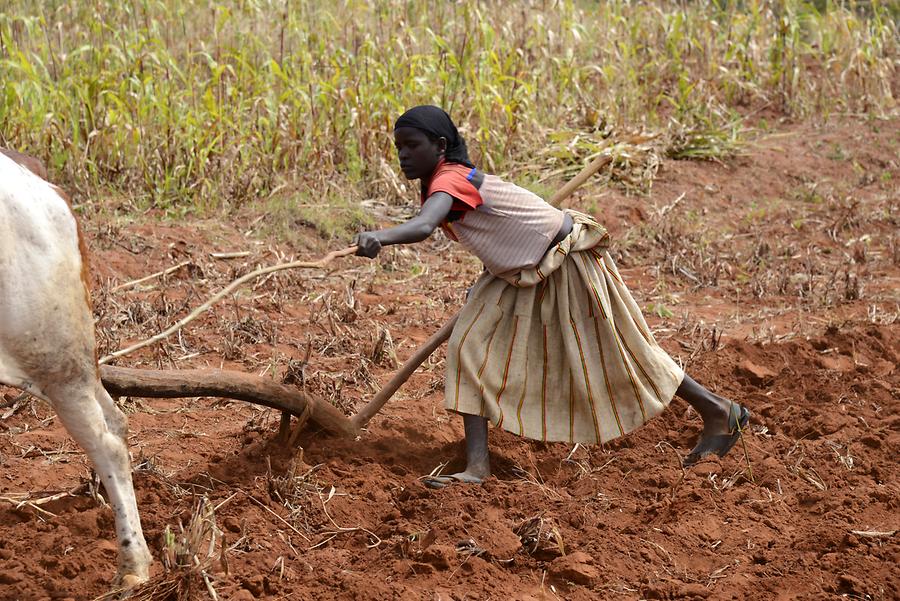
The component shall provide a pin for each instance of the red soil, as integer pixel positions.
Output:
(797, 317)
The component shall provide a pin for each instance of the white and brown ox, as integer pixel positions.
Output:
(47, 344)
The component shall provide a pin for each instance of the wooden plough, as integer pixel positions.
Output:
(123, 381)
(174, 383)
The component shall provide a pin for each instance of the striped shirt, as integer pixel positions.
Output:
(504, 225)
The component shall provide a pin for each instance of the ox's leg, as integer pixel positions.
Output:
(93, 420)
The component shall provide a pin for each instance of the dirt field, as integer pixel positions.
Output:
(774, 278)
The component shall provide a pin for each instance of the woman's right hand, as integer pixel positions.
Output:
(367, 245)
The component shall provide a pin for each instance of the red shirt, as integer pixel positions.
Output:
(455, 180)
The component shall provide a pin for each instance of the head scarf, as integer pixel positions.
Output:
(436, 123)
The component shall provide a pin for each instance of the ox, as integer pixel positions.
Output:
(47, 343)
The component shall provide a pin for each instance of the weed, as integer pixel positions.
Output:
(837, 153)
(660, 310)
(189, 555)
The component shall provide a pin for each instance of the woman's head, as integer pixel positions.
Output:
(423, 136)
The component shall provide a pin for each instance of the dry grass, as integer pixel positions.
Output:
(541, 536)
(190, 556)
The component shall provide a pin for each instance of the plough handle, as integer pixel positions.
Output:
(374, 406)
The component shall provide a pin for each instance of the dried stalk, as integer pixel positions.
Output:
(225, 292)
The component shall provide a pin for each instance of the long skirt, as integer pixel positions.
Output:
(559, 352)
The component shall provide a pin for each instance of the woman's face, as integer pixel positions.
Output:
(418, 154)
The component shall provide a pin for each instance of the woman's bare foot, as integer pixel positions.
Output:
(478, 463)
(465, 477)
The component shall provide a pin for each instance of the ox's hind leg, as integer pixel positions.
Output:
(93, 420)
(47, 343)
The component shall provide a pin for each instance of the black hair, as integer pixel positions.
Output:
(436, 123)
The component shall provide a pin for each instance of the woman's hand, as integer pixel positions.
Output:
(367, 244)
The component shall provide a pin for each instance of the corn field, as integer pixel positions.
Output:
(205, 106)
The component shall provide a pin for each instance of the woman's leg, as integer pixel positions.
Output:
(478, 463)
(722, 419)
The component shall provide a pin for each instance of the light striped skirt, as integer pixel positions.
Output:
(559, 352)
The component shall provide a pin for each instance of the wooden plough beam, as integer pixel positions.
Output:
(150, 383)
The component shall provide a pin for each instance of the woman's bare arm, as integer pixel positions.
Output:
(436, 208)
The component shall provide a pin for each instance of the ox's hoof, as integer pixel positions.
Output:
(124, 584)
(131, 581)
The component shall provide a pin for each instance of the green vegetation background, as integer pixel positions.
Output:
(182, 106)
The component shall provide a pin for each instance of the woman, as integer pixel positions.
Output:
(550, 344)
